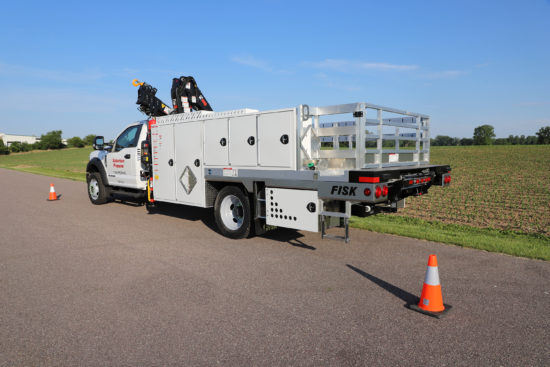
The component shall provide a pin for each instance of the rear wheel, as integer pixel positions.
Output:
(97, 192)
(232, 212)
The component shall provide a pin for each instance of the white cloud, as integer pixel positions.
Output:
(251, 61)
(343, 65)
(337, 83)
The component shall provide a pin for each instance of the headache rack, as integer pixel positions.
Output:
(388, 137)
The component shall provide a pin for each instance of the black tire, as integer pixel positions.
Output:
(97, 192)
(232, 212)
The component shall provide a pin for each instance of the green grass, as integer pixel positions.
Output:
(65, 163)
(512, 243)
(449, 212)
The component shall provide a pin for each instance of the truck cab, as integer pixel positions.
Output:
(118, 168)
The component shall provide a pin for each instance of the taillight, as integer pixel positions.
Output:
(411, 182)
(367, 192)
(447, 180)
(369, 179)
(385, 191)
(377, 192)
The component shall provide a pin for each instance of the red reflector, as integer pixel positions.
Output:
(429, 179)
(411, 182)
(417, 181)
(367, 192)
(377, 192)
(369, 179)
(385, 191)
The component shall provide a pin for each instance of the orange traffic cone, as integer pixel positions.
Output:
(53, 195)
(431, 300)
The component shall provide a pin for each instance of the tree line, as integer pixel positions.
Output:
(50, 140)
(485, 135)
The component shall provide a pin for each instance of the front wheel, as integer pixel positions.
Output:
(232, 212)
(97, 192)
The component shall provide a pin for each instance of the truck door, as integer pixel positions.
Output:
(123, 162)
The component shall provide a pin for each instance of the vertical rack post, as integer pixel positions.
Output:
(360, 136)
(419, 136)
(378, 155)
(426, 142)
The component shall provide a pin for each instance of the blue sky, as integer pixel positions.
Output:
(69, 65)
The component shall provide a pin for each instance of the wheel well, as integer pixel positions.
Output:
(214, 187)
(94, 166)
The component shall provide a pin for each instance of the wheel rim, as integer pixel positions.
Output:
(232, 212)
(93, 189)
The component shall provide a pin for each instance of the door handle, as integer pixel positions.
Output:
(171, 162)
(127, 156)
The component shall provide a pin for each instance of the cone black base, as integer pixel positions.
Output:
(437, 315)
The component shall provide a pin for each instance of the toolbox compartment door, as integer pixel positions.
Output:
(163, 162)
(290, 208)
(189, 176)
(243, 141)
(277, 142)
(216, 140)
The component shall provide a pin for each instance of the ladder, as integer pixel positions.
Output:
(343, 222)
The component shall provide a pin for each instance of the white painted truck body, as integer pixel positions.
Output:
(300, 166)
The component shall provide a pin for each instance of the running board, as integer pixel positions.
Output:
(129, 194)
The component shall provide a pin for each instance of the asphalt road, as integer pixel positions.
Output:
(111, 285)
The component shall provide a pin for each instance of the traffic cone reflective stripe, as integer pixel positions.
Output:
(53, 195)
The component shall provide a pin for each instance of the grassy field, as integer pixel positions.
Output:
(66, 163)
(501, 187)
(499, 199)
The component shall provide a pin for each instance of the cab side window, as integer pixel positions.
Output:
(129, 138)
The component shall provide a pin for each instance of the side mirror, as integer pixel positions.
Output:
(99, 142)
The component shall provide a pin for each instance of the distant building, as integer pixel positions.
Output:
(8, 139)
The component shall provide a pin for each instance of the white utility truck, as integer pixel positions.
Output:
(305, 167)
